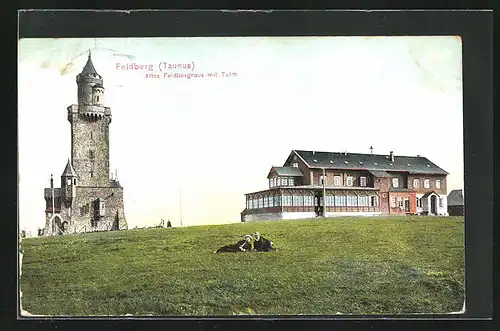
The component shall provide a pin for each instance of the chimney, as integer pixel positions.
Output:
(51, 182)
(391, 155)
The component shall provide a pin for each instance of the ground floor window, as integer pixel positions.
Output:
(400, 203)
(287, 200)
(441, 202)
(340, 201)
(363, 201)
(352, 200)
(393, 202)
(330, 200)
(298, 200)
(308, 200)
(419, 202)
(373, 201)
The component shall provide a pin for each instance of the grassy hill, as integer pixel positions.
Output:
(350, 265)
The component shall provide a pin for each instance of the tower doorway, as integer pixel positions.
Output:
(57, 225)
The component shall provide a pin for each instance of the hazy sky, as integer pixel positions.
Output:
(217, 138)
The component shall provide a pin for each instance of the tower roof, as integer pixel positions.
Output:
(69, 171)
(89, 68)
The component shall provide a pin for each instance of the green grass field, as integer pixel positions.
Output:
(378, 265)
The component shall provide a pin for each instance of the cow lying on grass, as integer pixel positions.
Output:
(241, 246)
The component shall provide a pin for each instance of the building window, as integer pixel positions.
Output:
(322, 180)
(287, 200)
(102, 208)
(308, 200)
(68, 181)
(352, 200)
(373, 201)
(395, 182)
(74, 181)
(291, 181)
(295, 164)
(438, 183)
(440, 202)
(298, 200)
(427, 183)
(363, 201)
(419, 202)
(270, 182)
(336, 181)
(362, 181)
(91, 154)
(393, 202)
(266, 202)
(349, 181)
(340, 200)
(416, 183)
(91, 173)
(400, 203)
(97, 98)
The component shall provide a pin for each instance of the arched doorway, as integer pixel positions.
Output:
(433, 205)
(57, 225)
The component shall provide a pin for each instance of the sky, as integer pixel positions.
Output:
(194, 147)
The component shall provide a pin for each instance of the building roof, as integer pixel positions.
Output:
(429, 193)
(379, 173)
(287, 171)
(69, 171)
(335, 160)
(89, 68)
(456, 198)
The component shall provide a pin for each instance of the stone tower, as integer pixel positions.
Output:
(88, 200)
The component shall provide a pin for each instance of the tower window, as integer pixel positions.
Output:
(91, 134)
(97, 98)
(91, 173)
(91, 154)
(74, 181)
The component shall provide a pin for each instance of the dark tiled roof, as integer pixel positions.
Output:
(379, 173)
(334, 160)
(456, 198)
(69, 171)
(287, 171)
(429, 193)
(89, 68)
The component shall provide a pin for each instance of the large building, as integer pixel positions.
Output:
(89, 199)
(350, 184)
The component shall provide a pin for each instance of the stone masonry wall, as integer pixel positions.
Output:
(90, 150)
(113, 199)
